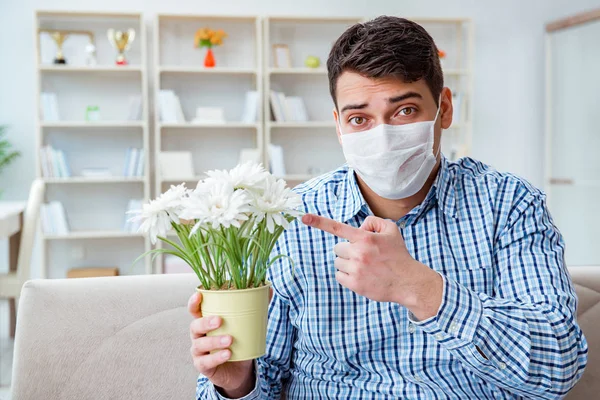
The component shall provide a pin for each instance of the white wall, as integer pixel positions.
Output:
(509, 66)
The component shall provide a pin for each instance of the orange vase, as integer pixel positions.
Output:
(209, 59)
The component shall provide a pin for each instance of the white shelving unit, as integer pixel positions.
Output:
(95, 207)
(455, 36)
(315, 36)
(179, 67)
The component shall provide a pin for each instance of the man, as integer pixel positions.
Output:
(424, 279)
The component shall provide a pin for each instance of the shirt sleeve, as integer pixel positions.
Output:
(525, 338)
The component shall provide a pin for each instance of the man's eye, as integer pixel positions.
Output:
(357, 120)
(407, 111)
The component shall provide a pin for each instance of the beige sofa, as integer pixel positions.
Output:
(127, 338)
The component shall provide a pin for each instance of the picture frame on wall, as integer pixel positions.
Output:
(281, 56)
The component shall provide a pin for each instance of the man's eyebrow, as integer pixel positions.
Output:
(404, 96)
(354, 107)
(395, 99)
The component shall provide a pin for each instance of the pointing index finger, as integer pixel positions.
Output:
(336, 228)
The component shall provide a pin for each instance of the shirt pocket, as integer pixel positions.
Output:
(471, 265)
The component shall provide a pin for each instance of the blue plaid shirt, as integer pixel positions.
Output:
(506, 292)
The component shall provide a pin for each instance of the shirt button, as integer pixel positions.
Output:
(502, 365)
(402, 224)
(439, 336)
(453, 328)
(411, 328)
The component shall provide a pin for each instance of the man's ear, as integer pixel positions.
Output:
(446, 108)
(338, 129)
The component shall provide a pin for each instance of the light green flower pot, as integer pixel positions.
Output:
(244, 314)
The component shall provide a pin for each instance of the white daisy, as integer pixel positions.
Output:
(276, 202)
(219, 205)
(157, 215)
(249, 175)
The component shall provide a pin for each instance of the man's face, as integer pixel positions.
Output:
(364, 103)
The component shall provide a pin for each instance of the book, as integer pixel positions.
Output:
(127, 160)
(168, 114)
(49, 105)
(296, 109)
(55, 163)
(276, 106)
(139, 168)
(133, 160)
(44, 163)
(65, 171)
(283, 106)
(177, 106)
(251, 107)
(59, 218)
(276, 162)
(54, 219)
(134, 112)
(92, 272)
(176, 165)
(51, 164)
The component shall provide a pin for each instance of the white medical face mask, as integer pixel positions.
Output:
(393, 160)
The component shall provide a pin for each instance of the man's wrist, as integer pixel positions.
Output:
(246, 387)
(423, 298)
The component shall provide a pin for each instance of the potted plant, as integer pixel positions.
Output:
(225, 231)
(7, 155)
(206, 37)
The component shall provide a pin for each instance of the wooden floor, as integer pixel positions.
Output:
(6, 352)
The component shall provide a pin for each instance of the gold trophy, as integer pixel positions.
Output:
(121, 41)
(59, 38)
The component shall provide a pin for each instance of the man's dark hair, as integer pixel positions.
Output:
(386, 47)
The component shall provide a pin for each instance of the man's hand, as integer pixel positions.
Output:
(376, 264)
(235, 379)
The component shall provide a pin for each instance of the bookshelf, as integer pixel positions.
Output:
(306, 36)
(179, 67)
(455, 37)
(313, 37)
(94, 206)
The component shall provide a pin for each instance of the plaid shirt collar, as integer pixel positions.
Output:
(350, 201)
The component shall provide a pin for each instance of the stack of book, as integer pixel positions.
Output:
(49, 105)
(54, 163)
(288, 108)
(134, 163)
(54, 219)
(132, 226)
(170, 108)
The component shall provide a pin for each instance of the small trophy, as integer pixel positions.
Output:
(59, 38)
(121, 41)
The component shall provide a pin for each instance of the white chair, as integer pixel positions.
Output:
(12, 282)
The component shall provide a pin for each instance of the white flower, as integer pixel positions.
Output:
(216, 206)
(157, 215)
(276, 202)
(249, 175)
